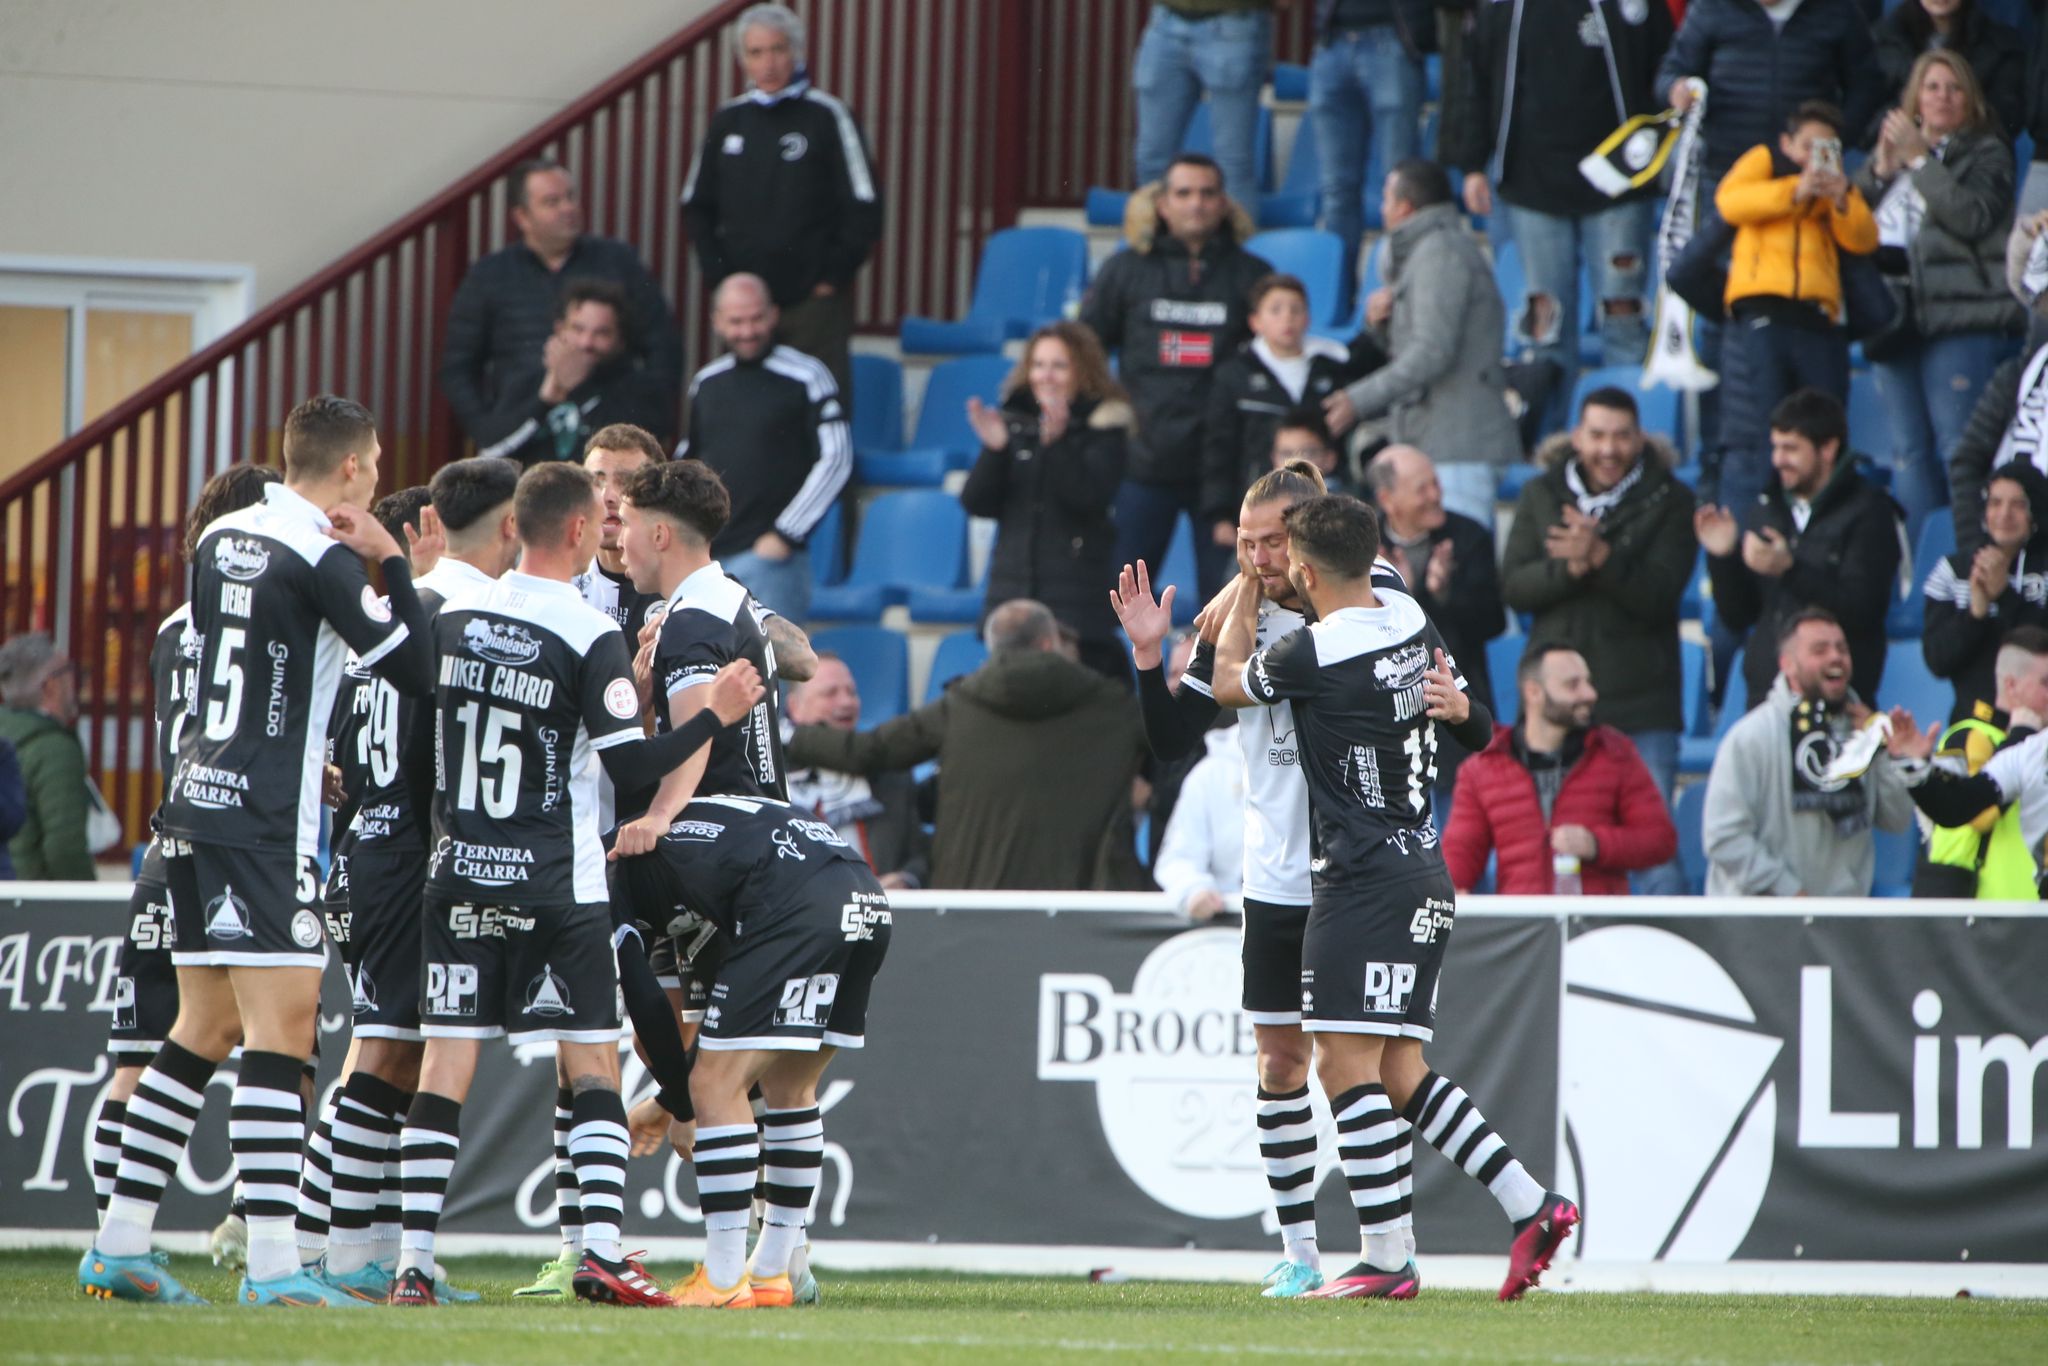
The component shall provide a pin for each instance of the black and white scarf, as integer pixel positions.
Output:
(1598, 505)
(2026, 436)
(1817, 734)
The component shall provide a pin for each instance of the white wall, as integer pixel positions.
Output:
(276, 134)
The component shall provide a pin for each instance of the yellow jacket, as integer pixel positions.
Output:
(1784, 249)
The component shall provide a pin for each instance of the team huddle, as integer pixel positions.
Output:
(553, 754)
(535, 816)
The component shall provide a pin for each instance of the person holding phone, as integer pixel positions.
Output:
(1793, 212)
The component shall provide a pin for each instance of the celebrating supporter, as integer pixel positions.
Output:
(1171, 309)
(1974, 599)
(506, 308)
(1778, 821)
(1992, 50)
(770, 422)
(1599, 554)
(875, 815)
(1941, 179)
(1039, 753)
(584, 378)
(1556, 795)
(1052, 456)
(1821, 536)
(1439, 318)
(783, 188)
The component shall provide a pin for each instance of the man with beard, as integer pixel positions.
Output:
(583, 379)
(1557, 793)
(1777, 823)
(610, 457)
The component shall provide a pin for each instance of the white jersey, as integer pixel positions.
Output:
(1276, 823)
(2021, 772)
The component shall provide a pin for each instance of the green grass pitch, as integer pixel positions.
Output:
(933, 1318)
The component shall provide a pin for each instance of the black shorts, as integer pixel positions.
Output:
(691, 974)
(380, 937)
(532, 974)
(800, 976)
(1272, 962)
(145, 983)
(1370, 959)
(644, 896)
(245, 908)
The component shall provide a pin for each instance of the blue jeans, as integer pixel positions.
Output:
(1471, 487)
(1659, 749)
(781, 586)
(1928, 393)
(1145, 514)
(1615, 245)
(1362, 84)
(1761, 362)
(1178, 59)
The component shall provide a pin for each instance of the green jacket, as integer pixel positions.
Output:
(1623, 617)
(1039, 754)
(51, 846)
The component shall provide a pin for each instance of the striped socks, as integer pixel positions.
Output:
(1287, 1146)
(156, 1127)
(726, 1158)
(267, 1134)
(598, 1144)
(792, 1152)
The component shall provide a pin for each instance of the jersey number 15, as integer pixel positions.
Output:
(494, 744)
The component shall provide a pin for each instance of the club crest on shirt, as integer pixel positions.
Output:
(501, 642)
(240, 558)
(1401, 669)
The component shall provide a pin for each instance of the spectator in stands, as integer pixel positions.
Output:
(506, 308)
(2010, 419)
(1221, 48)
(1171, 307)
(1201, 855)
(1282, 369)
(39, 718)
(1304, 434)
(1973, 599)
(1365, 94)
(783, 187)
(1052, 456)
(1599, 554)
(769, 420)
(1761, 62)
(1942, 180)
(584, 378)
(1536, 67)
(1791, 208)
(877, 814)
(1448, 562)
(1776, 824)
(1987, 856)
(1439, 317)
(1556, 788)
(1039, 754)
(1993, 52)
(1821, 536)
(13, 805)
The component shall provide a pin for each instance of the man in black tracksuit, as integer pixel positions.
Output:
(506, 307)
(1172, 308)
(770, 421)
(783, 187)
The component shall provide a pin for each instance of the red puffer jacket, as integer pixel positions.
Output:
(1608, 791)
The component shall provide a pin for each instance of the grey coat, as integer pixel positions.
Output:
(1957, 259)
(1444, 389)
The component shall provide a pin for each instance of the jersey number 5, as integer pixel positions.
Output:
(225, 713)
(496, 747)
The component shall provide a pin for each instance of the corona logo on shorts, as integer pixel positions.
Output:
(1173, 1061)
(1669, 1112)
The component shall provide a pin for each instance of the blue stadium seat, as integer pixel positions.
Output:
(960, 653)
(1513, 284)
(1178, 569)
(1503, 654)
(1372, 274)
(1290, 82)
(1869, 433)
(1734, 698)
(930, 605)
(1659, 407)
(828, 548)
(1697, 741)
(1688, 813)
(1907, 615)
(1314, 256)
(1026, 276)
(942, 431)
(1909, 683)
(1294, 204)
(880, 661)
(1892, 875)
(878, 453)
(1514, 478)
(910, 537)
(1105, 207)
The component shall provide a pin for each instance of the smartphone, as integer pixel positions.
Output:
(1827, 155)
